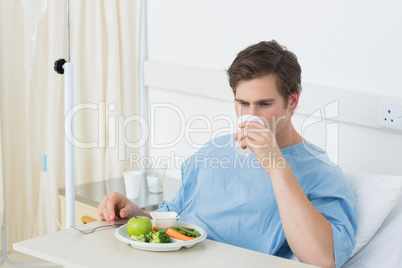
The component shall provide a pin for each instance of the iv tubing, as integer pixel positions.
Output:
(34, 46)
(41, 147)
(4, 257)
(143, 92)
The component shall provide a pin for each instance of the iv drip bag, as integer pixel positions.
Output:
(34, 9)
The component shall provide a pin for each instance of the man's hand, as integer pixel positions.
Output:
(114, 206)
(262, 142)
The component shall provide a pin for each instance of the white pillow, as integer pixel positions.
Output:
(385, 247)
(376, 195)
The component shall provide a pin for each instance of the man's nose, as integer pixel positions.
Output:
(253, 110)
(249, 110)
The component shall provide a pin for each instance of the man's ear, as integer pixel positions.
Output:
(293, 101)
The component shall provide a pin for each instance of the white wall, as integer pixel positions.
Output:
(354, 45)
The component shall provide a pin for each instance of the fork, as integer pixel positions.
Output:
(91, 230)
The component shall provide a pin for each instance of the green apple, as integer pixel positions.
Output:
(139, 225)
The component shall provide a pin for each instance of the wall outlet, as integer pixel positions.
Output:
(390, 115)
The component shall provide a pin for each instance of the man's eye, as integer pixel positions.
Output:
(265, 104)
(243, 103)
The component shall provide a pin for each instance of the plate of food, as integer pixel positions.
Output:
(174, 244)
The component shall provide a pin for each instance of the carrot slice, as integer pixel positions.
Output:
(175, 234)
(155, 229)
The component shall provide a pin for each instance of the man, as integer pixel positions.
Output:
(285, 198)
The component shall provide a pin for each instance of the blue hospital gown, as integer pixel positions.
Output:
(233, 199)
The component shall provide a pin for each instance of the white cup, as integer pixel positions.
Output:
(241, 119)
(155, 178)
(132, 183)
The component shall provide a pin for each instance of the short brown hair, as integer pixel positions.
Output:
(264, 58)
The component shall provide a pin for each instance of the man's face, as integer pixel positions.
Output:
(261, 98)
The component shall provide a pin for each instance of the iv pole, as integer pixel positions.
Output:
(62, 66)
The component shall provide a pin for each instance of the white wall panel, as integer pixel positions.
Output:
(345, 44)
(351, 49)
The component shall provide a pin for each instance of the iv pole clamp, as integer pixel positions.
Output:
(58, 66)
(62, 66)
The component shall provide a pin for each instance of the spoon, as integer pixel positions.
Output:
(183, 209)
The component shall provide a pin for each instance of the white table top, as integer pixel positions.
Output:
(101, 249)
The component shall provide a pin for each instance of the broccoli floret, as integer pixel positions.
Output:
(140, 238)
(159, 238)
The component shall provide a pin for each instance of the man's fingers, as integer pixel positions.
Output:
(123, 213)
(251, 124)
(257, 135)
(254, 138)
(111, 207)
(115, 206)
(245, 127)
